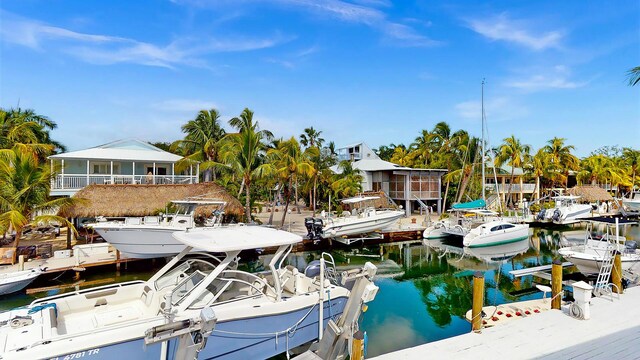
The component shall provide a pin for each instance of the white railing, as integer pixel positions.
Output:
(76, 181)
(515, 188)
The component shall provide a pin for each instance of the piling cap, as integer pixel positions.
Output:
(478, 274)
(557, 262)
(582, 285)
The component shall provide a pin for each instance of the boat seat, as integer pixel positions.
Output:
(152, 220)
(49, 322)
(292, 280)
(133, 221)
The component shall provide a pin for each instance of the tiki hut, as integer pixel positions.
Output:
(590, 193)
(141, 200)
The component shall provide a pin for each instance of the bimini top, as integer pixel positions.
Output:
(199, 202)
(235, 238)
(476, 204)
(566, 197)
(358, 199)
(608, 220)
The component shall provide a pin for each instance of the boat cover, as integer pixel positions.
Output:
(476, 204)
(235, 238)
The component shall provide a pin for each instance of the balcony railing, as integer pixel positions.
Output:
(75, 181)
(515, 188)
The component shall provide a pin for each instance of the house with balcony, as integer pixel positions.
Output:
(127, 161)
(523, 186)
(404, 185)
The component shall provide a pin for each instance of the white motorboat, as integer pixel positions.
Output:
(633, 201)
(589, 256)
(496, 232)
(459, 223)
(361, 220)
(193, 307)
(16, 281)
(499, 253)
(566, 211)
(151, 236)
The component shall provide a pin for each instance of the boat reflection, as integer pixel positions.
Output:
(499, 253)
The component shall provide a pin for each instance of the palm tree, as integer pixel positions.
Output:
(202, 143)
(631, 158)
(403, 157)
(634, 76)
(289, 161)
(561, 160)
(514, 154)
(242, 152)
(24, 192)
(537, 165)
(348, 182)
(30, 131)
(311, 137)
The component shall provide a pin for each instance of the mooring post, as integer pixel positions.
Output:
(616, 273)
(21, 262)
(556, 284)
(478, 301)
(357, 346)
(118, 262)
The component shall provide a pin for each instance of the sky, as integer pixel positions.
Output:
(377, 71)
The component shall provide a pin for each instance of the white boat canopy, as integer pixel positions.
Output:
(567, 197)
(198, 202)
(484, 212)
(235, 238)
(358, 199)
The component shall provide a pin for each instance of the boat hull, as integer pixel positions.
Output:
(251, 338)
(632, 204)
(518, 233)
(142, 243)
(435, 232)
(363, 225)
(591, 264)
(11, 283)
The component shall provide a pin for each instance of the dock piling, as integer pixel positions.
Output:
(21, 262)
(556, 284)
(616, 273)
(478, 301)
(357, 348)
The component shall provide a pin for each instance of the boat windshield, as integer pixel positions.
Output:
(182, 272)
(185, 286)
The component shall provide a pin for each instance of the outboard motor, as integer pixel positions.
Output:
(308, 223)
(317, 227)
(556, 215)
(540, 216)
(313, 269)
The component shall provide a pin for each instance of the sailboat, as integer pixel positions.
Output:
(495, 231)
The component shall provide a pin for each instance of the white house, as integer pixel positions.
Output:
(127, 161)
(402, 184)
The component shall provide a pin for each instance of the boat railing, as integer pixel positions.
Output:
(84, 291)
(265, 285)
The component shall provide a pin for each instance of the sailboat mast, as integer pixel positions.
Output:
(482, 150)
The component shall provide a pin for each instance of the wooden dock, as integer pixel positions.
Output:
(612, 332)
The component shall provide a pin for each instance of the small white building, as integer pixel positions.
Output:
(402, 184)
(127, 161)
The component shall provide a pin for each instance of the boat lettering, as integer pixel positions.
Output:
(78, 355)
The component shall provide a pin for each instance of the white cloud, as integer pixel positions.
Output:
(105, 49)
(556, 78)
(501, 27)
(497, 110)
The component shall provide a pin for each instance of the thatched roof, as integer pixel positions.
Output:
(590, 193)
(141, 200)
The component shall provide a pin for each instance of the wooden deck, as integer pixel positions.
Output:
(612, 332)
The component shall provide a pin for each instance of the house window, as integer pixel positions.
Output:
(104, 168)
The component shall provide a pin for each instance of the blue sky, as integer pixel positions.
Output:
(371, 70)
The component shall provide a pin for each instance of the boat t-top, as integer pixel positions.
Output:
(599, 245)
(633, 201)
(151, 236)
(193, 306)
(567, 210)
(462, 218)
(362, 219)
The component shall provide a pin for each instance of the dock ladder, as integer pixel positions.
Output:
(603, 287)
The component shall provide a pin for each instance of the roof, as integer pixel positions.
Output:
(506, 170)
(590, 193)
(125, 149)
(235, 238)
(141, 200)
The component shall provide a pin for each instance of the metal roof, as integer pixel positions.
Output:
(126, 149)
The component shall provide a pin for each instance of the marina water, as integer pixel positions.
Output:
(425, 290)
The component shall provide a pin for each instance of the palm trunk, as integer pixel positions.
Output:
(535, 189)
(286, 202)
(273, 205)
(444, 202)
(296, 199)
(247, 202)
(315, 186)
(16, 242)
(510, 184)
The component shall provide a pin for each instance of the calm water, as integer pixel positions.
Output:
(424, 290)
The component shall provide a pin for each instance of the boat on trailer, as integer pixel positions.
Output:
(151, 236)
(192, 306)
(363, 219)
(566, 211)
(589, 256)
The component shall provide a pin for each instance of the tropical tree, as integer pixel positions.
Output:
(631, 158)
(634, 76)
(514, 153)
(242, 152)
(537, 166)
(348, 182)
(289, 161)
(561, 160)
(311, 138)
(24, 193)
(202, 143)
(26, 129)
(403, 156)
